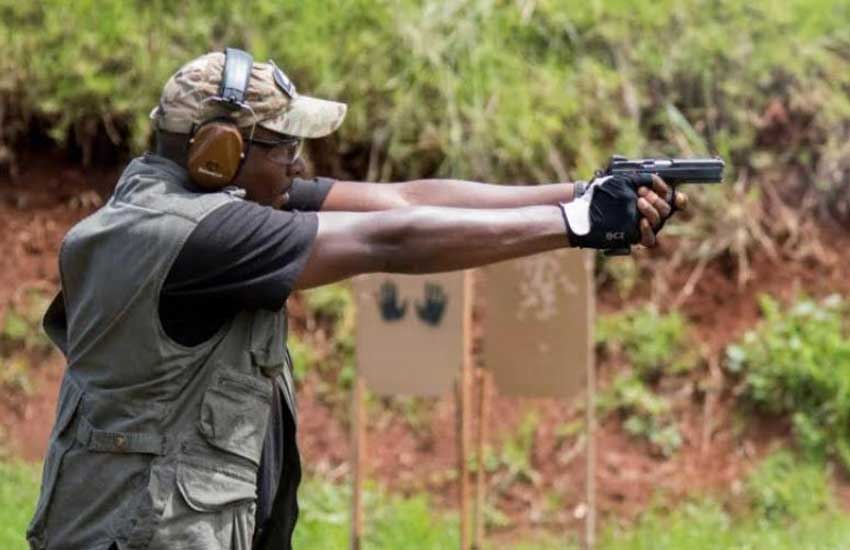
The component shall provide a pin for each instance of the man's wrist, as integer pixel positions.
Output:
(567, 232)
(579, 187)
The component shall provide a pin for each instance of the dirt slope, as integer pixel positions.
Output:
(48, 197)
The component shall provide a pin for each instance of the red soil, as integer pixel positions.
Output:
(46, 199)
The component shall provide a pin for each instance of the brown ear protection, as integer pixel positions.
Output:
(216, 147)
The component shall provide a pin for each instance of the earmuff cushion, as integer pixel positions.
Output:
(215, 154)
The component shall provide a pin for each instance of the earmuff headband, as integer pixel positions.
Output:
(234, 80)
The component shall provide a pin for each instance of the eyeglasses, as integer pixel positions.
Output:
(281, 151)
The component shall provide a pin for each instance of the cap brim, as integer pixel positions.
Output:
(307, 117)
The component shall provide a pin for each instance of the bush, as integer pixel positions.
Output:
(646, 415)
(490, 89)
(795, 364)
(783, 489)
(653, 343)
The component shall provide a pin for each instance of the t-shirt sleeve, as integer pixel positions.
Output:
(242, 256)
(308, 195)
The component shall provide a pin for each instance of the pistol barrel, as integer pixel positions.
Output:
(673, 171)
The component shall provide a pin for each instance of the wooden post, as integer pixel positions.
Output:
(358, 445)
(464, 386)
(480, 485)
(590, 418)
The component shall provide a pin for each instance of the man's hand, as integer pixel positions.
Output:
(615, 212)
(657, 210)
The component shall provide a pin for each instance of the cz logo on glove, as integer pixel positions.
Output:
(615, 236)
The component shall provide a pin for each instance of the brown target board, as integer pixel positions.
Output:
(410, 332)
(538, 326)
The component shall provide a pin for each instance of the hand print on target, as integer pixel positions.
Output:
(410, 331)
(388, 302)
(432, 310)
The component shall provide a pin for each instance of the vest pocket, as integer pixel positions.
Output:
(234, 414)
(61, 440)
(213, 506)
(207, 488)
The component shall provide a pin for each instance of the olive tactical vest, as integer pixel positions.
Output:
(156, 445)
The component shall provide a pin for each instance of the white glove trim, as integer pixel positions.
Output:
(578, 211)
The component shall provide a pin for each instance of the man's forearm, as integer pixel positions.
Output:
(352, 196)
(426, 240)
(469, 194)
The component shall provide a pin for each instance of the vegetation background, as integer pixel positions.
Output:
(528, 92)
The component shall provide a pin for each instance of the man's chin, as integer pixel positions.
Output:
(280, 200)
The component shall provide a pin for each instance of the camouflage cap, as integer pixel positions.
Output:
(276, 105)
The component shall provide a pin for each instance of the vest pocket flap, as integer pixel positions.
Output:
(207, 489)
(268, 337)
(234, 414)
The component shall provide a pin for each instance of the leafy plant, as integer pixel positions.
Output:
(303, 356)
(21, 326)
(646, 415)
(795, 364)
(15, 375)
(783, 488)
(653, 343)
(328, 342)
(514, 457)
(332, 302)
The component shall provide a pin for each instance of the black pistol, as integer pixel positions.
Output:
(673, 171)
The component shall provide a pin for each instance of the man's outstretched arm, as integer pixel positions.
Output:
(352, 196)
(428, 239)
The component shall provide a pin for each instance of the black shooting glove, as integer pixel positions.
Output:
(605, 215)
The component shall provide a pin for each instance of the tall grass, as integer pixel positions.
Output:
(791, 508)
(490, 89)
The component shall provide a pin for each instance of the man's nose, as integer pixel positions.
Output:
(296, 169)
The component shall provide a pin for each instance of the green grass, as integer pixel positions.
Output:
(790, 509)
(19, 484)
(788, 505)
(705, 525)
(390, 521)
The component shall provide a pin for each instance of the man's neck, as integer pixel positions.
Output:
(172, 146)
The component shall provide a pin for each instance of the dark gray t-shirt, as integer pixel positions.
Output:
(244, 256)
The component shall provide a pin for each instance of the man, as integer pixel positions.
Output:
(175, 424)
